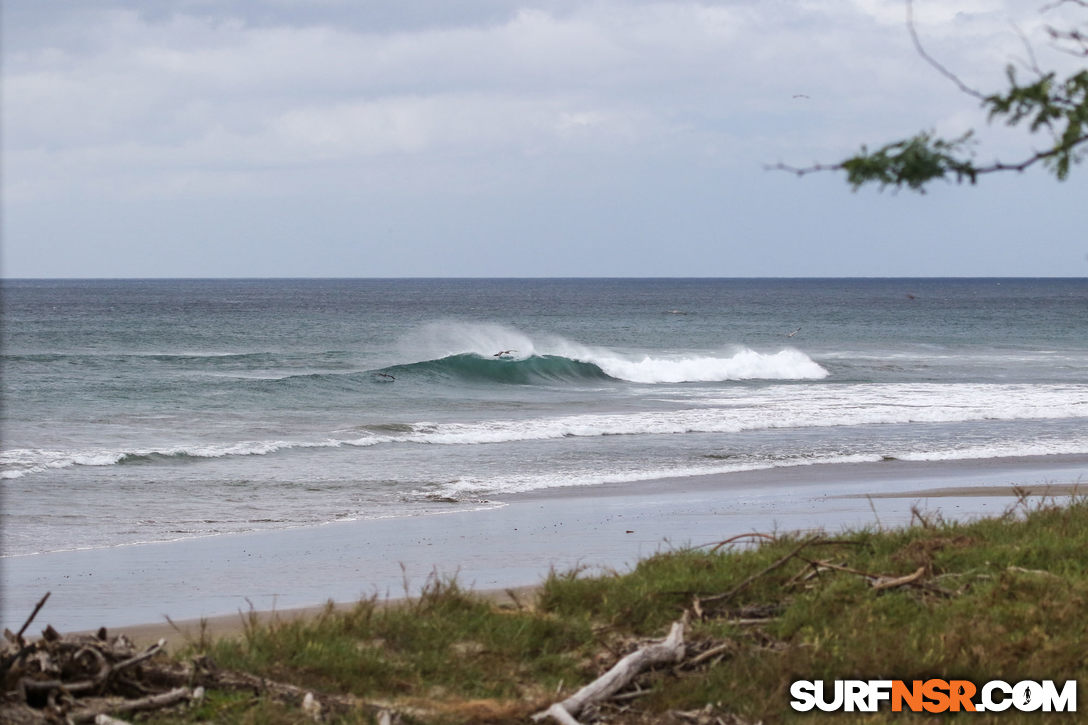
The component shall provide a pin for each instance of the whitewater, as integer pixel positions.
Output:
(157, 410)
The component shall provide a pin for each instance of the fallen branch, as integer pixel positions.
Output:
(120, 705)
(880, 582)
(146, 654)
(839, 567)
(738, 537)
(38, 608)
(671, 649)
(1040, 572)
(744, 584)
(884, 582)
(710, 654)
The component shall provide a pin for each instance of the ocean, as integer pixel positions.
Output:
(155, 410)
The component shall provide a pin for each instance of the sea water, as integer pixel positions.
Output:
(151, 410)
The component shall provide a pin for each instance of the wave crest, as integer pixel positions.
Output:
(467, 350)
(534, 369)
(744, 364)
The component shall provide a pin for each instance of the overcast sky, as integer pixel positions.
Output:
(371, 138)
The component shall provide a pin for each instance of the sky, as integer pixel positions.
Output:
(489, 138)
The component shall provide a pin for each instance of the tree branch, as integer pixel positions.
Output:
(1059, 3)
(968, 170)
(37, 608)
(929, 59)
(1041, 156)
(1058, 105)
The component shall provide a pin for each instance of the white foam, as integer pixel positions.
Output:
(437, 340)
(20, 462)
(745, 364)
(508, 483)
(788, 407)
(518, 484)
(762, 408)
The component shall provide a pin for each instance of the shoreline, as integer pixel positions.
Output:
(803, 475)
(1044, 490)
(869, 473)
(292, 572)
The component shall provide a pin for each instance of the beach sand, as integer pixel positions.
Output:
(601, 528)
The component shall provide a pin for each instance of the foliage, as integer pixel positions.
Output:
(914, 162)
(1058, 107)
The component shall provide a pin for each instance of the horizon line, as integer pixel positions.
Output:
(536, 278)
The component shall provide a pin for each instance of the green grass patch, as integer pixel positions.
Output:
(446, 640)
(1001, 598)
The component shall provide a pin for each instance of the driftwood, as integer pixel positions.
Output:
(100, 710)
(79, 678)
(669, 650)
(83, 679)
(37, 608)
(673, 650)
(891, 582)
(699, 601)
(880, 582)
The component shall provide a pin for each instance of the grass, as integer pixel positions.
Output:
(1004, 598)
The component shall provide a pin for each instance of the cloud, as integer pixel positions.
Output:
(223, 98)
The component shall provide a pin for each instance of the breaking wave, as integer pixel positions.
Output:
(745, 364)
(474, 352)
(534, 369)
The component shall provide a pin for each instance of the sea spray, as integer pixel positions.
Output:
(446, 338)
(454, 342)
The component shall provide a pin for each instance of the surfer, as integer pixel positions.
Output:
(504, 353)
(794, 332)
(385, 376)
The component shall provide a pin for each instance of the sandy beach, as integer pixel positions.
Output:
(514, 544)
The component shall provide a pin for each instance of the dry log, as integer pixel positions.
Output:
(114, 705)
(885, 582)
(671, 649)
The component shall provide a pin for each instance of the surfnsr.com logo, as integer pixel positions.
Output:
(933, 696)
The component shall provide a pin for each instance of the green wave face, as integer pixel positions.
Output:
(535, 370)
